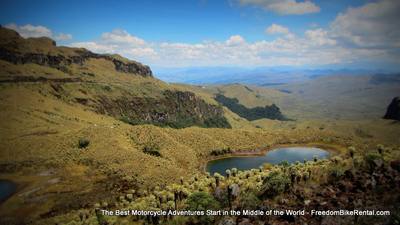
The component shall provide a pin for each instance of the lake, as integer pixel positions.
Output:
(7, 188)
(276, 156)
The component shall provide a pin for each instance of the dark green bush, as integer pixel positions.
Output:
(223, 151)
(248, 200)
(284, 163)
(152, 149)
(181, 122)
(372, 159)
(270, 112)
(83, 143)
(202, 201)
(275, 183)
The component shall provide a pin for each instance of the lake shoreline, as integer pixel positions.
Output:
(331, 148)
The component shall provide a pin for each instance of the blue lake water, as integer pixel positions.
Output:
(7, 188)
(276, 156)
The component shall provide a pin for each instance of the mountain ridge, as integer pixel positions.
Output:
(106, 84)
(18, 50)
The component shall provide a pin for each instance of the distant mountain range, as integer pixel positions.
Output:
(262, 76)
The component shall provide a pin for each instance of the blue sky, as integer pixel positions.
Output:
(202, 33)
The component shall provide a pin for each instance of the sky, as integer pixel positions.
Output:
(232, 33)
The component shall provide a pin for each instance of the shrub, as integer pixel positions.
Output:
(131, 121)
(228, 173)
(351, 151)
(249, 201)
(336, 172)
(217, 152)
(217, 122)
(275, 183)
(234, 172)
(372, 160)
(380, 148)
(152, 149)
(284, 163)
(202, 201)
(83, 143)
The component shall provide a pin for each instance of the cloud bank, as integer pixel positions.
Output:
(277, 29)
(29, 30)
(284, 7)
(372, 25)
(316, 47)
(365, 35)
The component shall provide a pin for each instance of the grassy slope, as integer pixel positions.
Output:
(40, 134)
(330, 97)
(341, 97)
(348, 105)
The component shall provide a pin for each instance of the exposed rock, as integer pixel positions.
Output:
(18, 50)
(378, 163)
(245, 221)
(393, 110)
(176, 109)
(227, 221)
(19, 79)
(235, 190)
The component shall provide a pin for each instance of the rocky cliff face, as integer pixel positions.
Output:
(135, 101)
(393, 110)
(43, 51)
(175, 109)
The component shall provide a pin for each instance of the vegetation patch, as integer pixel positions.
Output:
(83, 143)
(269, 112)
(152, 149)
(275, 184)
(217, 152)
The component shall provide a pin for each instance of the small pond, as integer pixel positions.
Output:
(7, 188)
(276, 156)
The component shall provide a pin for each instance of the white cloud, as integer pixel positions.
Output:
(121, 36)
(29, 30)
(316, 47)
(284, 7)
(120, 42)
(319, 37)
(63, 37)
(93, 46)
(235, 40)
(277, 29)
(374, 25)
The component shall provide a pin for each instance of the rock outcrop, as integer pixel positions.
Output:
(393, 110)
(44, 52)
(158, 106)
(176, 109)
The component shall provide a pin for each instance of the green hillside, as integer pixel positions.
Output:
(269, 112)
(82, 131)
